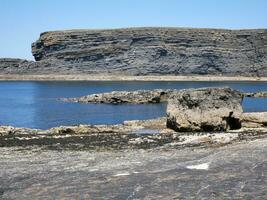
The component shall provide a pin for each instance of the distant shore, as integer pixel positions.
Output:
(49, 77)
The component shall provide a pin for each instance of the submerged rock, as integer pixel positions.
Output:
(207, 109)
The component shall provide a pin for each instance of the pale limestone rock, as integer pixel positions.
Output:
(206, 109)
(254, 120)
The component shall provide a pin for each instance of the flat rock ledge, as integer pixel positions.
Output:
(136, 134)
(139, 96)
(119, 97)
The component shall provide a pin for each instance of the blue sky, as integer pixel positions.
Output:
(22, 21)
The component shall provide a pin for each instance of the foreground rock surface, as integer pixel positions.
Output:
(139, 159)
(232, 172)
(149, 51)
(206, 109)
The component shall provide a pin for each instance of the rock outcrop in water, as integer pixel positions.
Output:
(205, 109)
(119, 97)
(138, 96)
(150, 51)
(262, 94)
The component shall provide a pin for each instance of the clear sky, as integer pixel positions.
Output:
(21, 21)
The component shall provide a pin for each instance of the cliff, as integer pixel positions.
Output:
(14, 65)
(152, 51)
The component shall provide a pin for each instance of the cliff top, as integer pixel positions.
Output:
(153, 29)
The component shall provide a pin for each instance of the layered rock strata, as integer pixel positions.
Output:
(150, 51)
(14, 65)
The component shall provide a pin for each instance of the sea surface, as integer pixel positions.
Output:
(36, 104)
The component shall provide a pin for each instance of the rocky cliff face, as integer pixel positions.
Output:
(152, 51)
(145, 51)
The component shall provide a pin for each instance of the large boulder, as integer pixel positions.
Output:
(207, 109)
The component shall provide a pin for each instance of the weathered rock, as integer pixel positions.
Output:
(150, 51)
(254, 120)
(138, 96)
(86, 137)
(143, 51)
(10, 130)
(158, 123)
(14, 65)
(125, 128)
(91, 129)
(219, 103)
(135, 97)
(131, 134)
(231, 172)
(207, 109)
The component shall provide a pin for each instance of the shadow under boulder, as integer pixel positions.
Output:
(206, 109)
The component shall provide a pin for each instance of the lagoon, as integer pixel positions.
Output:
(36, 104)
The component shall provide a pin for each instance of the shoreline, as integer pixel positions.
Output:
(53, 77)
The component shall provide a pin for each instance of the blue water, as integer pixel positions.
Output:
(35, 104)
